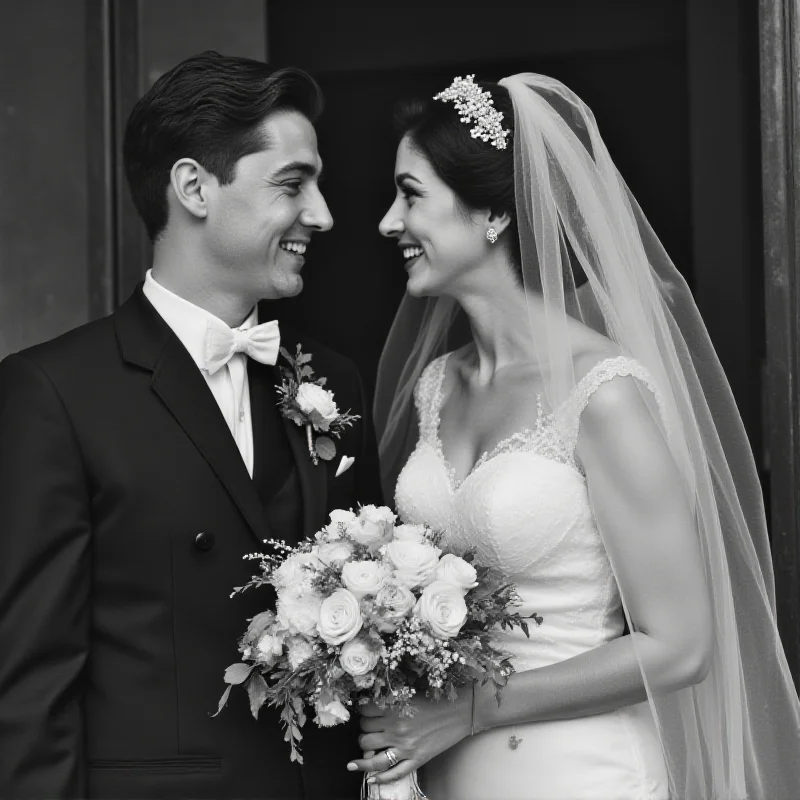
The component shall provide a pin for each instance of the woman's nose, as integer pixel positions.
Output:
(392, 223)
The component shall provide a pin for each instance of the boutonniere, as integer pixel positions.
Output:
(306, 402)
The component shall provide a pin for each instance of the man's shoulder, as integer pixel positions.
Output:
(72, 348)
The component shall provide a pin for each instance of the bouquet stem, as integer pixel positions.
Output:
(405, 788)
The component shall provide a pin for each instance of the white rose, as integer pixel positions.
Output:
(414, 562)
(330, 711)
(299, 650)
(339, 617)
(394, 603)
(442, 606)
(410, 533)
(373, 527)
(453, 569)
(299, 612)
(364, 577)
(335, 552)
(340, 519)
(317, 404)
(358, 658)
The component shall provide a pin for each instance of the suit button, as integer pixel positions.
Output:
(204, 541)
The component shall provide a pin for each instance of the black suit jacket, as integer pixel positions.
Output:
(125, 513)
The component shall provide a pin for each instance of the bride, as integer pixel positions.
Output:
(584, 440)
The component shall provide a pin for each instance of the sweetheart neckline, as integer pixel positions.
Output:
(543, 422)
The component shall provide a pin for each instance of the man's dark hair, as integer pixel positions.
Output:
(210, 108)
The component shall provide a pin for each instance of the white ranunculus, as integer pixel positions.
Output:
(374, 526)
(410, 533)
(453, 569)
(298, 612)
(414, 562)
(299, 650)
(330, 710)
(317, 404)
(441, 605)
(335, 552)
(297, 568)
(270, 646)
(394, 602)
(339, 617)
(358, 657)
(364, 577)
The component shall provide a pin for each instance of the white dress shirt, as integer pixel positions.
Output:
(229, 385)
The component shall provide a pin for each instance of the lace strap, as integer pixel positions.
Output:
(428, 398)
(600, 373)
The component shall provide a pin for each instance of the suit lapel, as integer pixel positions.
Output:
(313, 479)
(146, 340)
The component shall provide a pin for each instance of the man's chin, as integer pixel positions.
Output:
(288, 286)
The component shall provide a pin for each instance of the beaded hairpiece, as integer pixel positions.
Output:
(474, 105)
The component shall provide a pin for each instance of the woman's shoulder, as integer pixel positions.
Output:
(613, 388)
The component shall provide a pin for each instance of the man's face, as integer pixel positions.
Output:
(259, 226)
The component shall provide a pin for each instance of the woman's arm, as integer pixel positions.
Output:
(646, 520)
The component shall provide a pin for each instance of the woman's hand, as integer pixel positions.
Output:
(435, 727)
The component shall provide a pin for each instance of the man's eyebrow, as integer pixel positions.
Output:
(405, 176)
(304, 167)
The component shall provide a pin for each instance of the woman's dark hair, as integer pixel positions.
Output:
(480, 175)
(209, 107)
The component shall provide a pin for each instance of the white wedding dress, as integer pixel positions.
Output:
(524, 507)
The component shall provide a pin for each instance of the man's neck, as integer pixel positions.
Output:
(197, 287)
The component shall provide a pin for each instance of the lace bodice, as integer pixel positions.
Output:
(524, 507)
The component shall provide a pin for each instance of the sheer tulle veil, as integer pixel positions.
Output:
(590, 258)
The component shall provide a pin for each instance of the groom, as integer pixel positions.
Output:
(142, 456)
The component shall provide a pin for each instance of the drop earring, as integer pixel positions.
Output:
(491, 235)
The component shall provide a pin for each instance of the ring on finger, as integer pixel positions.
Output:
(392, 757)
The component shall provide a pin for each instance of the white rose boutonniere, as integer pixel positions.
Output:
(317, 404)
(306, 402)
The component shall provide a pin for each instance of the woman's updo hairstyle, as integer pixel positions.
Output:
(480, 175)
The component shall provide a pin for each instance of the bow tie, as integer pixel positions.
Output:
(260, 342)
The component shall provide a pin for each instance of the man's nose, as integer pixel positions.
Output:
(317, 215)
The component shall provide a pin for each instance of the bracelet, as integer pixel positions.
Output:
(472, 715)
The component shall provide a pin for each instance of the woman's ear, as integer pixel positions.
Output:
(492, 219)
(188, 180)
(499, 221)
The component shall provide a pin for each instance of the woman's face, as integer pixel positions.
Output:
(440, 241)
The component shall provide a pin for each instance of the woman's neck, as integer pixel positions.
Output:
(499, 317)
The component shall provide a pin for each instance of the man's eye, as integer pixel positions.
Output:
(292, 186)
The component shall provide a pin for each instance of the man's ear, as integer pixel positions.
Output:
(189, 183)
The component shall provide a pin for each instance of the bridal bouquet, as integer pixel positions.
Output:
(370, 611)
